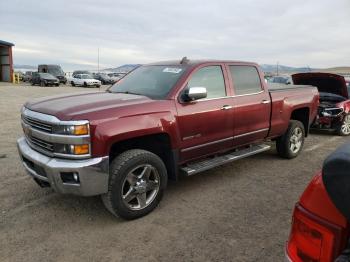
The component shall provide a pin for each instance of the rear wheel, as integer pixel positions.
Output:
(291, 143)
(85, 84)
(137, 181)
(72, 83)
(344, 127)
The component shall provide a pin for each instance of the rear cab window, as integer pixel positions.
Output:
(246, 79)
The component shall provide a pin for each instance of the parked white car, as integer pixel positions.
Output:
(84, 80)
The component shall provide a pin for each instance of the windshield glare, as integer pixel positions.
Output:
(152, 81)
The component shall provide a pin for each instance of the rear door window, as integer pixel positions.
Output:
(245, 79)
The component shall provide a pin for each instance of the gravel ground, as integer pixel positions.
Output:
(238, 212)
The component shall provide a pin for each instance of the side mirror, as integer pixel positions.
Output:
(195, 93)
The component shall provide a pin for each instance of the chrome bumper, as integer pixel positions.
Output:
(93, 173)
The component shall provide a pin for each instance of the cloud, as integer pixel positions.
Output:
(299, 33)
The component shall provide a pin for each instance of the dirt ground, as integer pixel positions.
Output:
(238, 212)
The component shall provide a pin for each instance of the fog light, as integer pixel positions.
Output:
(70, 177)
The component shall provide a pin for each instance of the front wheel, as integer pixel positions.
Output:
(344, 127)
(291, 143)
(85, 84)
(136, 184)
(72, 83)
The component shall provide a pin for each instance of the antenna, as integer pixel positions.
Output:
(184, 60)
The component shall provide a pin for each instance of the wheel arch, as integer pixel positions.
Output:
(159, 144)
(303, 115)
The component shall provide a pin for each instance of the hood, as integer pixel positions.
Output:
(74, 106)
(325, 82)
(49, 78)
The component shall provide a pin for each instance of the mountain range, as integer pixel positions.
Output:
(267, 68)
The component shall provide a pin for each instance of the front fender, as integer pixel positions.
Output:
(115, 130)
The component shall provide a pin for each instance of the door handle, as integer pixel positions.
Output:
(265, 101)
(226, 107)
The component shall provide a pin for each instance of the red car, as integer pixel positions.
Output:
(334, 108)
(320, 226)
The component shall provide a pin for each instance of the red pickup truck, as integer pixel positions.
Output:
(320, 227)
(160, 120)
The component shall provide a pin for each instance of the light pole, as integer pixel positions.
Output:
(98, 60)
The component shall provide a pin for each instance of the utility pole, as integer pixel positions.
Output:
(98, 60)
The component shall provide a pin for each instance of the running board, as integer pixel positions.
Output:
(207, 164)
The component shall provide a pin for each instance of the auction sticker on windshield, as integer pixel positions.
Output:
(172, 70)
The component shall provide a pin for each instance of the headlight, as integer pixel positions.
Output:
(77, 130)
(332, 112)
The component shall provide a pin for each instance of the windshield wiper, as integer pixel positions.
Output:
(128, 92)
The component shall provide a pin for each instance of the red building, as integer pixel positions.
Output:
(6, 61)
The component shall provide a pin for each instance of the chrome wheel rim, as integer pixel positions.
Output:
(296, 140)
(140, 187)
(345, 128)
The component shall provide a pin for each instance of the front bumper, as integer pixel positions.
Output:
(93, 84)
(93, 173)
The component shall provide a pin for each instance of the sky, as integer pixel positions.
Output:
(313, 33)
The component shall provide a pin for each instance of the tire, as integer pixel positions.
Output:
(57, 84)
(135, 161)
(290, 144)
(344, 127)
(85, 84)
(72, 83)
(42, 83)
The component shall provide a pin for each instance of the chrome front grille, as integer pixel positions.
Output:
(42, 134)
(37, 124)
(41, 143)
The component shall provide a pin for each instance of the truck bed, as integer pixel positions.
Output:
(283, 97)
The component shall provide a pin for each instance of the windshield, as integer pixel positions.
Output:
(55, 70)
(86, 77)
(152, 81)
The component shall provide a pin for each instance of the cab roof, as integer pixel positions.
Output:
(185, 61)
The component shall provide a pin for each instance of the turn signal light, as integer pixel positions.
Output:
(81, 149)
(81, 130)
(311, 239)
